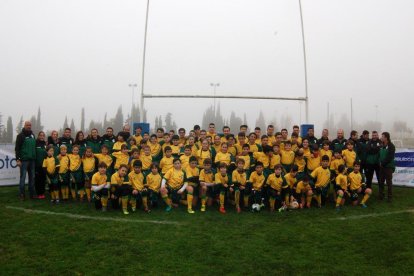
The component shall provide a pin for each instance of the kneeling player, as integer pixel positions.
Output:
(120, 188)
(174, 184)
(341, 186)
(238, 185)
(304, 193)
(357, 186)
(100, 187)
(222, 183)
(139, 191)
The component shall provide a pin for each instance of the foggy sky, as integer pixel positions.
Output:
(65, 55)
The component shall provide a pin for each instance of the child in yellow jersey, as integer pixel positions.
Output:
(278, 189)
(185, 158)
(100, 187)
(76, 173)
(221, 181)
(336, 161)
(167, 161)
(193, 174)
(341, 186)
(121, 157)
(349, 155)
(306, 148)
(51, 166)
(119, 143)
(89, 168)
(105, 157)
(155, 148)
(264, 157)
(139, 191)
(248, 159)
(205, 153)
(325, 150)
(132, 144)
(252, 143)
(291, 180)
(322, 177)
(120, 188)
(175, 146)
(300, 162)
(241, 140)
(294, 142)
(153, 184)
(146, 160)
(238, 184)
(232, 149)
(223, 156)
(134, 157)
(64, 176)
(206, 184)
(173, 184)
(287, 156)
(217, 144)
(255, 184)
(314, 160)
(357, 186)
(275, 157)
(303, 193)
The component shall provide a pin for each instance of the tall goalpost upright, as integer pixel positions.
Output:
(199, 96)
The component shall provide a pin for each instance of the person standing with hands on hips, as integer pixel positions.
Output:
(26, 158)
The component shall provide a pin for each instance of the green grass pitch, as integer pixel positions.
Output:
(378, 240)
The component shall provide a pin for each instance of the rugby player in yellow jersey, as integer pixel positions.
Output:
(325, 150)
(51, 166)
(211, 131)
(270, 132)
(182, 138)
(222, 183)
(139, 191)
(264, 141)
(314, 160)
(226, 133)
(231, 145)
(119, 143)
(134, 157)
(275, 159)
(146, 160)
(258, 133)
(175, 146)
(294, 141)
(238, 184)
(217, 144)
(167, 161)
(185, 158)
(287, 156)
(241, 140)
(264, 157)
(322, 177)
(105, 157)
(64, 176)
(121, 157)
(254, 147)
(357, 186)
(306, 148)
(173, 184)
(303, 193)
(153, 184)
(155, 148)
(76, 172)
(100, 187)
(278, 188)
(223, 156)
(193, 174)
(248, 159)
(255, 184)
(341, 186)
(89, 168)
(336, 161)
(300, 162)
(120, 188)
(349, 155)
(206, 184)
(206, 152)
(291, 180)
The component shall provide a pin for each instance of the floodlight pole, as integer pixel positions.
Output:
(304, 63)
(143, 63)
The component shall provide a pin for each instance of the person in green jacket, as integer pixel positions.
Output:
(94, 141)
(387, 165)
(40, 174)
(26, 158)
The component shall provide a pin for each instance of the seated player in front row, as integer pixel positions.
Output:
(357, 186)
(100, 187)
(303, 193)
(174, 184)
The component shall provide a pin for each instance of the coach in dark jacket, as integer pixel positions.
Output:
(387, 165)
(26, 158)
(372, 160)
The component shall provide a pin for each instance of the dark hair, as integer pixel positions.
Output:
(68, 129)
(222, 165)
(123, 166)
(196, 127)
(137, 163)
(267, 149)
(240, 160)
(246, 146)
(167, 148)
(207, 161)
(242, 126)
(154, 165)
(175, 137)
(294, 168)
(160, 129)
(387, 135)
(357, 163)
(278, 166)
(257, 128)
(270, 126)
(341, 168)
(176, 159)
(192, 159)
(241, 134)
(102, 165)
(259, 164)
(124, 147)
(226, 127)
(325, 158)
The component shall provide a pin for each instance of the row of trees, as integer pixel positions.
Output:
(400, 128)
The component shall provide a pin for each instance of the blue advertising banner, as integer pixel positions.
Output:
(404, 171)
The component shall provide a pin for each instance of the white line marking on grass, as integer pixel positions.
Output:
(68, 215)
(373, 215)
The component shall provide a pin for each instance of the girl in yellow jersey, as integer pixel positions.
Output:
(153, 184)
(89, 168)
(100, 187)
(139, 191)
(174, 184)
(105, 157)
(341, 186)
(238, 184)
(120, 188)
(76, 173)
(64, 176)
(51, 166)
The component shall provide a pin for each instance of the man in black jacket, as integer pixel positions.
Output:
(362, 147)
(338, 144)
(372, 160)
(26, 158)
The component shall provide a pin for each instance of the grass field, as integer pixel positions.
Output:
(378, 240)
